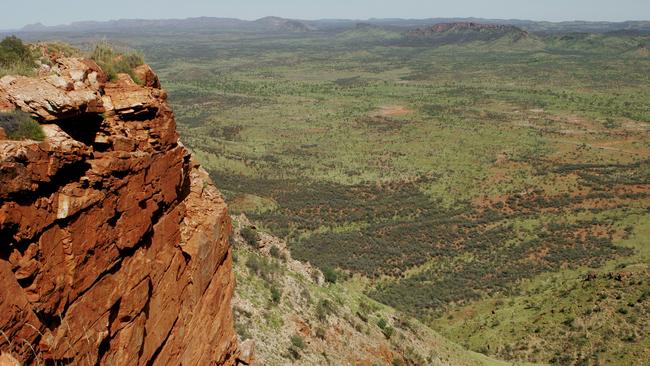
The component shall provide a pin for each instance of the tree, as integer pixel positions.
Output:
(13, 52)
(250, 236)
(330, 275)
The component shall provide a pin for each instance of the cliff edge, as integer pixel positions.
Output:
(113, 241)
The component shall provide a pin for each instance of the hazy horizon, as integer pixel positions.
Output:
(69, 11)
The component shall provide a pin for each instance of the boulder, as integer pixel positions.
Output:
(71, 88)
(7, 359)
(128, 99)
(247, 352)
(48, 102)
(146, 76)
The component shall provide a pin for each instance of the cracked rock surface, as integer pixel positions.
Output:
(113, 241)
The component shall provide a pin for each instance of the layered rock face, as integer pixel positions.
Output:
(113, 241)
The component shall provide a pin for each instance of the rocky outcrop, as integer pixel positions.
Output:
(467, 31)
(465, 26)
(73, 88)
(267, 243)
(113, 241)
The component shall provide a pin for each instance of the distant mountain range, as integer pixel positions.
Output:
(207, 23)
(277, 24)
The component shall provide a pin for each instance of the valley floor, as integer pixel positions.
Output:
(496, 189)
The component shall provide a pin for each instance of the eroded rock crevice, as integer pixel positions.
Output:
(113, 241)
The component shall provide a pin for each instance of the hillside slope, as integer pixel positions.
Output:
(297, 316)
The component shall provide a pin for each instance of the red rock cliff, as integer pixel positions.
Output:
(113, 241)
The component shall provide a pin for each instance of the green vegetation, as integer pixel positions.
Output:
(448, 173)
(454, 175)
(276, 295)
(250, 236)
(275, 252)
(582, 316)
(331, 276)
(19, 125)
(324, 309)
(311, 322)
(297, 341)
(269, 270)
(113, 62)
(15, 57)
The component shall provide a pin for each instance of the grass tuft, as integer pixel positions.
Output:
(19, 125)
(113, 62)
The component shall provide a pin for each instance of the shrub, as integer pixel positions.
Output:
(250, 236)
(263, 268)
(324, 309)
(569, 322)
(253, 264)
(320, 333)
(365, 310)
(644, 296)
(114, 63)
(297, 341)
(276, 294)
(388, 331)
(382, 324)
(243, 331)
(19, 125)
(275, 252)
(12, 50)
(15, 57)
(630, 338)
(297, 344)
(331, 276)
(363, 316)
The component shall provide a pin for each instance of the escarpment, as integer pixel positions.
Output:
(113, 241)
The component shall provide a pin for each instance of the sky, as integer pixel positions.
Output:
(50, 12)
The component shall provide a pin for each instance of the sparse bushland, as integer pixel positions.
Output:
(447, 178)
(309, 313)
(19, 125)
